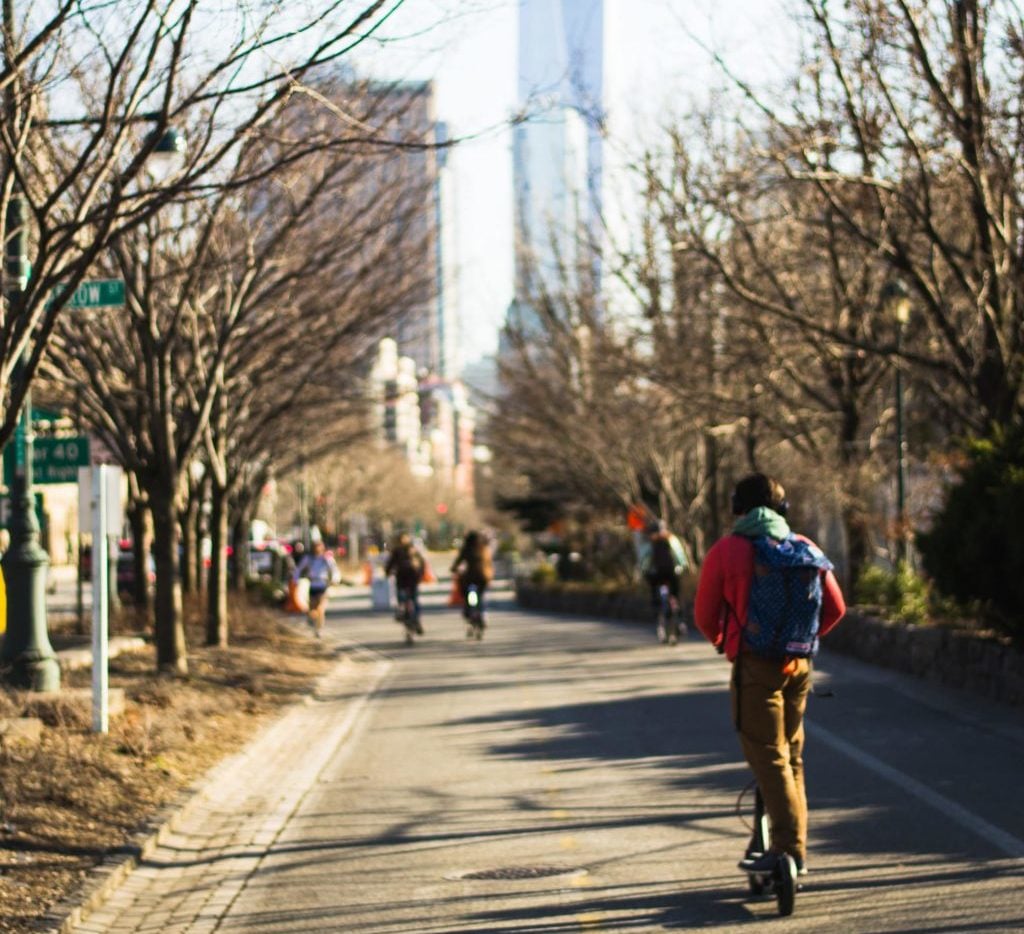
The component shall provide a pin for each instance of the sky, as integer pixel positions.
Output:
(655, 66)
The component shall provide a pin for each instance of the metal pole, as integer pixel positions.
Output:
(901, 499)
(26, 647)
(79, 576)
(100, 601)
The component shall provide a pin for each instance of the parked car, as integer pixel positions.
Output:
(126, 568)
(267, 557)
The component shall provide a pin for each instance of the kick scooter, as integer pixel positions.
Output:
(781, 881)
(408, 616)
(475, 614)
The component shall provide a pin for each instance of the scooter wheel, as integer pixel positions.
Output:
(785, 884)
(756, 884)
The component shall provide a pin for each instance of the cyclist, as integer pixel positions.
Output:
(408, 566)
(662, 562)
(319, 566)
(474, 567)
(769, 692)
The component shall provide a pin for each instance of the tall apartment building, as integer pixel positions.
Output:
(392, 204)
(404, 117)
(428, 418)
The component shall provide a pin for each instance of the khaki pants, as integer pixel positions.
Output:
(768, 710)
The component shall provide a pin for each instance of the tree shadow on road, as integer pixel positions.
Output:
(689, 737)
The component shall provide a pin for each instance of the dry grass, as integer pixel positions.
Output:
(78, 796)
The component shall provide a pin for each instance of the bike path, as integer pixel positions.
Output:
(584, 748)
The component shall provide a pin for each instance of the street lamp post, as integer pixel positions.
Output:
(26, 643)
(26, 646)
(897, 303)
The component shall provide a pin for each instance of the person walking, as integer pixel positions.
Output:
(662, 562)
(474, 566)
(320, 567)
(408, 566)
(764, 597)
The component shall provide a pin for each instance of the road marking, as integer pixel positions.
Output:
(568, 843)
(999, 838)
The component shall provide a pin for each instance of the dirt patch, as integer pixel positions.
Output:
(78, 796)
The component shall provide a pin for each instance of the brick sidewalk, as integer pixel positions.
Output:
(218, 840)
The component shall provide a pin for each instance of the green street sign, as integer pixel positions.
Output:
(100, 293)
(56, 460)
(47, 416)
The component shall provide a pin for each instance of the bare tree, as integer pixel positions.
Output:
(579, 424)
(75, 181)
(905, 130)
(785, 303)
(247, 310)
(895, 153)
(334, 250)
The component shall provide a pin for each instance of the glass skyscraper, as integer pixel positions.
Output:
(557, 146)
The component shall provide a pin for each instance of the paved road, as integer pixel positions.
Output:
(398, 801)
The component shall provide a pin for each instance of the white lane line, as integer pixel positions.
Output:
(1006, 842)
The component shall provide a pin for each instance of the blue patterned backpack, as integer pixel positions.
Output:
(784, 613)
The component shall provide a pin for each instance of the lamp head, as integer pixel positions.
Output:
(896, 301)
(168, 155)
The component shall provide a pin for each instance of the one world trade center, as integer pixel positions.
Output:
(557, 148)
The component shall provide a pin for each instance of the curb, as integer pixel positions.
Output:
(102, 880)
(72, 659)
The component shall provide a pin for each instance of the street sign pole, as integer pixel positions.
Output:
(100, 489)
(100, 607)
(26, 645)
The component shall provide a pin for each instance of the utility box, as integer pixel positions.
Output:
(382, 593)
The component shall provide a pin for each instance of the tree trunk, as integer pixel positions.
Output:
(240, 543)
(200, 532)
(858, 542)
(171, 651)
(188, 518)
(217, 581)
(140, 553)
(714, 497)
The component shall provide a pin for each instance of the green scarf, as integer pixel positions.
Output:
(762, 521)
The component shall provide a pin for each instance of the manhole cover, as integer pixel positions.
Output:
(520, 872)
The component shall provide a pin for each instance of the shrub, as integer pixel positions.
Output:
(901, 594)
(544, 575)
(267, 592)
(975, 550)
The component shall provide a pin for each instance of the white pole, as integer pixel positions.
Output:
(100, 553)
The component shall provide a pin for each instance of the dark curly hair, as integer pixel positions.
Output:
(758, 489)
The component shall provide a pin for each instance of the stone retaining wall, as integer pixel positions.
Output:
(632, 607)
(950, 657)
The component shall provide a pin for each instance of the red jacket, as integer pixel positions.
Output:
(724, 592)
